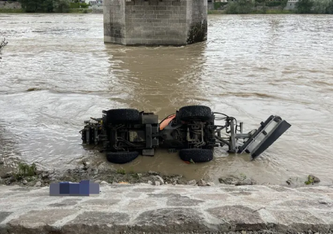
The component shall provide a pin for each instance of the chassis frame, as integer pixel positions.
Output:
(125, 133)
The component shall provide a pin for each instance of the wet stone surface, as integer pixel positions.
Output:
(237, 189)
(48, 199)
(322, 204)
(160, 195)
(316, 190)
(97, 218)
(100, 202)
(96, 222)
(239, 217)
(143, 204)
(178, 200)
(26, 189)
(133, 195)
(237, 193)
(326, 216)
(8, 194)
(215, 196)
(195, 209)
(281, 188)
(180, 219)
(293, 221)
(64, 203)
(144, 190)
(178, 190)
(36, 218)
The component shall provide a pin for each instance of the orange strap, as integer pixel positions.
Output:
(167, 121)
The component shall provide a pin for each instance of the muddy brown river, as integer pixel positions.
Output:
(57, 72)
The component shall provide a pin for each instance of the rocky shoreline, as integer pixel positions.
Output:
(40, 178)
(22, 174)
(15, 172)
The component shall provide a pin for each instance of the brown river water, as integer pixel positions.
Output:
(250, 67)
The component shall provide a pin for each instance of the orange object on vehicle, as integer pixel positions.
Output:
(166, 121)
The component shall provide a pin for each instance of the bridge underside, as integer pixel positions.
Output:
(155, 22)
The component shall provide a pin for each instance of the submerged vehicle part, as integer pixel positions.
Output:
(124, 134)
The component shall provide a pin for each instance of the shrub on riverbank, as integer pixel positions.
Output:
(61, 6)
(304, 6)
(80, 10)
(272, 7)
(250, 7)
(45, 6)
(79, 5)
(329, 9)
(239, 7)
(323, 7)
(219, 5)
(314, 7)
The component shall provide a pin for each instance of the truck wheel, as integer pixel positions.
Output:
(197, 112)
(121, 157)
(122, 116)
(196, 155)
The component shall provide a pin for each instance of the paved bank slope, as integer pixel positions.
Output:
(168, 209)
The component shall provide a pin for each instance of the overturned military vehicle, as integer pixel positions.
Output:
(123, 134)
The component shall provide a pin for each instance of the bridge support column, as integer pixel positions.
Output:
(155, 22)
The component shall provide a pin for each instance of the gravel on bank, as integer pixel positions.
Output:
(12, 176)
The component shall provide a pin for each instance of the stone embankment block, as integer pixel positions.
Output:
(143, 208)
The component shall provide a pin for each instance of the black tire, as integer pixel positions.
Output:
(123, 116)
(196, 155)
(202, 113)
(121, 157)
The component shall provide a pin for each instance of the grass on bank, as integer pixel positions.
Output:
(80, 10)
(277, 11)
(11, 11)
(71, 10)
(25, 170)
(216, 12)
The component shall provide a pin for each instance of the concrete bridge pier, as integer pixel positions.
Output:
(155, 22)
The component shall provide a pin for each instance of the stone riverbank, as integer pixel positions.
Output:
(143, 208)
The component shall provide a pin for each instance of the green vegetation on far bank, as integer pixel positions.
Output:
(49, 6)
(314, 7)
(267, 11)
(230, 7)
(11, 10)
(250, 7)
(79, 10)
(272, 7)
(71, 10)
(278, 11)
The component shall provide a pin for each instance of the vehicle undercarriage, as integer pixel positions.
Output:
(123, 134)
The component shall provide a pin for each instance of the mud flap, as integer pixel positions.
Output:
(266, 135)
